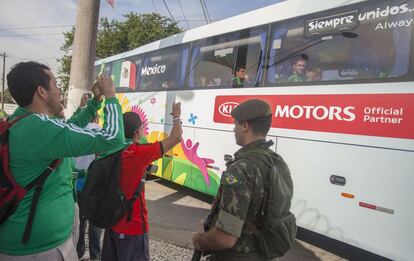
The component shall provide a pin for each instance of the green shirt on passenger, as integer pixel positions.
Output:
(35, 141)
(237, 81)
(297, 78)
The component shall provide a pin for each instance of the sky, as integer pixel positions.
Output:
(33, 29)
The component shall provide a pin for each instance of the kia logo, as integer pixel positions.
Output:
(226, 108)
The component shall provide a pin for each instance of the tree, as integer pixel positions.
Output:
(7, 96)
(66, 60)
(119, 36)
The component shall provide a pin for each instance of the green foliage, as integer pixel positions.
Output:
(65, 61)
(7, 96)
(3, 115)
(119, 36)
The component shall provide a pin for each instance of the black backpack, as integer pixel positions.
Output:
(101, 200)
(275, 226)
(12, 193)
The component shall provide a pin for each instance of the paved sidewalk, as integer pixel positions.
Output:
(162, 251)
(174, 213)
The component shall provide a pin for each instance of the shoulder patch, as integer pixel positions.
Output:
(231, 180)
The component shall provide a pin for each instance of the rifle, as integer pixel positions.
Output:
(198, 253)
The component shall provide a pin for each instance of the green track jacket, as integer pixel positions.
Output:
(37, 140)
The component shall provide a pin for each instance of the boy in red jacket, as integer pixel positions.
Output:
(128, 240)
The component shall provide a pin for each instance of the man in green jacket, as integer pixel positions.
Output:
(37, 140)
(299, 70)
(239, 77)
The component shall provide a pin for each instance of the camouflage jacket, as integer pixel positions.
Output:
(239, 199)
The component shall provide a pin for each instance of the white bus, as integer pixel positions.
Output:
(347, 134)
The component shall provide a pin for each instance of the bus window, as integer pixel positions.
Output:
(377, 46)
(96, 71)
(137, 63)
(212, 62)
(124, 73)
(104, 68)
(230, 60)
(163, 69)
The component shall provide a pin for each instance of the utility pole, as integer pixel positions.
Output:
(4, 80)
(84, 51)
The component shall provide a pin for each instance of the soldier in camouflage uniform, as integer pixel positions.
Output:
(241, 192)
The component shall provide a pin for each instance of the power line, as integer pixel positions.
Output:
(205, 7)
(182, 11)
(155, 7)
(169, 11)
(36, 27)
(195, 20)
(17, 35)
(27, 58)
(204, 11)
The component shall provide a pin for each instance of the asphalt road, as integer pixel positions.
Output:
(175, 212)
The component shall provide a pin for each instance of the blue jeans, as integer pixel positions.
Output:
(94, 239)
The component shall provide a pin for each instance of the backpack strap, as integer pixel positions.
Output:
(136, 194)
(12, 122)
(38, 184)
(262, 155)
(5, 129)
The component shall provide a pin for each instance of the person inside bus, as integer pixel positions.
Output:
(148, 84)
(239, 77)
(166, 84)
(211, 83)
(299, 70)
(202, 81)
(206, 82)
(314, 74)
